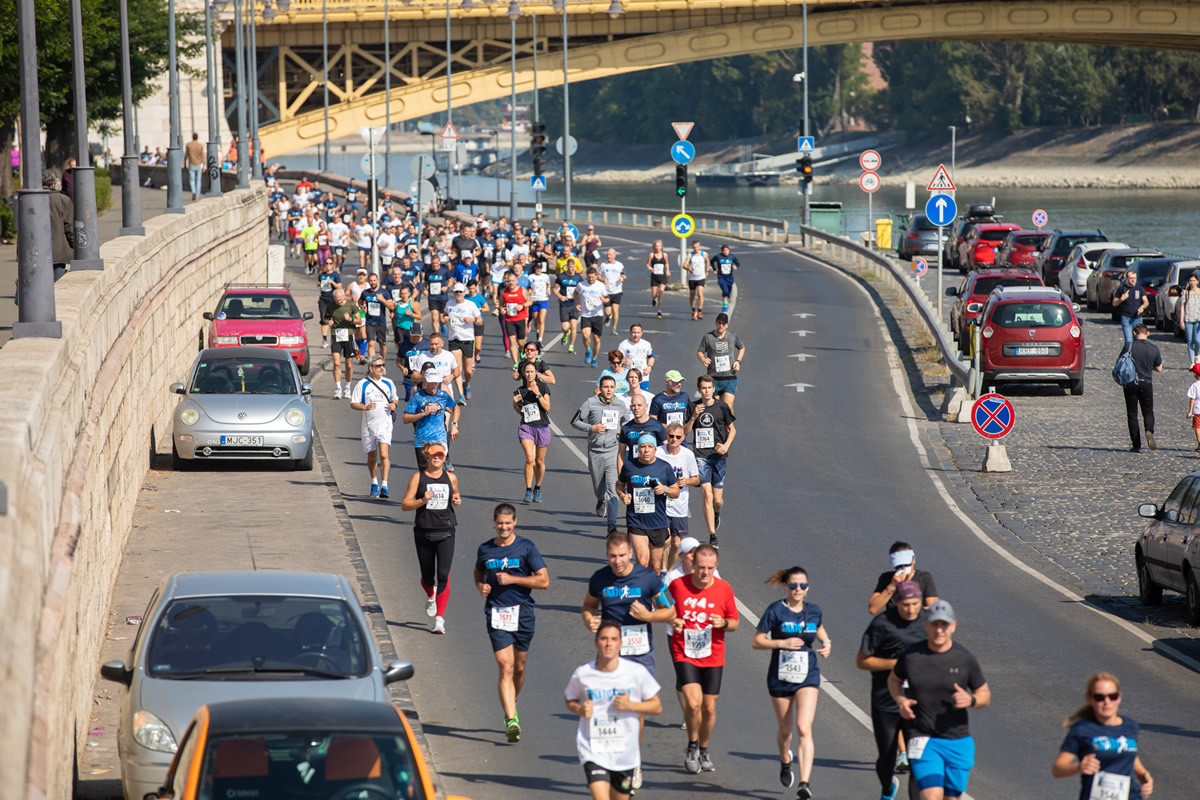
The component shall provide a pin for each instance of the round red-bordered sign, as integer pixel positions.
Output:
(993, 416)
(869, 182)
(870, 160)
(919, 266)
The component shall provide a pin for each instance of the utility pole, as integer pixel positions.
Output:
(566, 121)
(87, 240)
(175, 145)
(213, 167)
(806, 217)
(131, 186)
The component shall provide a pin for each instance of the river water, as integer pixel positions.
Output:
(1162, 218)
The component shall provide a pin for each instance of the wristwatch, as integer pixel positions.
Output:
(972, 701)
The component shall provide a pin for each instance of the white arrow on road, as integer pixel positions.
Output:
(802, 333)
(799, 387)
(802, 356)
(804, 315)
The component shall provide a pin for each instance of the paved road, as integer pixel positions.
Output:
(826, 478)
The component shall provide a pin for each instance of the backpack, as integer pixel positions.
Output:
(1124, 372)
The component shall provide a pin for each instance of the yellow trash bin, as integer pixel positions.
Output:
(883, 234)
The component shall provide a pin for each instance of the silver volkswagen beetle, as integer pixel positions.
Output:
(243, 403)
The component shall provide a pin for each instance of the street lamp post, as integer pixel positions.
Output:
(387, 97)
(514, 11)
(175, 145)
(452, 154)
(252, 69)
(806, 218)
(243, 155)
(325, 78)
(214, 137)
(566, 118)
(131, 186)
(953, 149)
(87, 241)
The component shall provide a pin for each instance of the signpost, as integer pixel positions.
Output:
(1040, 218)
(372, 136)
(682, 129)
(941, 181)
(537, 183)
(870, 160)
(449, 136)
(683, 151)
(806, 144)
(682, 225)
(572, 145)
(919, 266)
(421, 166)
(993, 418)
(941, 211)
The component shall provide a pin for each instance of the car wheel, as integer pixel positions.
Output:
(304, 369)
(1193, 596)
(178, 463)
(304, 464)
(1091, 304)
(1077, 387)
(1149, 592)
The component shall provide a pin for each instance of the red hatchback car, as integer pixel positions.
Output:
(980, 247)
(1022, 248)
(266, 316)
(1031, 335)
(973, 293)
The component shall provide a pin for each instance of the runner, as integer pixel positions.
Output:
(375, 396)
(437, 280)
(533, 355)
(343, 316)
(685, 565)
(619, 373)
(904, 568)
(532, 402)
(461, 316)
(433, 493)
(639, 353)
(672, 405)
(514, 315)
(308, 234)
(474, 295)
(324, 250)
(507, 568)
(792, 630)
(376, 302)
(385, 242)
(601, 416)
(539, 289)
(589, 300)
(900, 626)
(445, 362)
(687, 473)
(565, 286)
(611, 695)
(1101, 746)
(405, 314)
(426, 412)
(640, 425)
(410, 357)
(644, 485)
(724, 265)
(659, 267)
(722, 354)
(328, 280)
(705, 612)
(714, 432)
(363, 232)
(339, 237)
(613, 272)
(591, 247)
(697, 267)
(944, 680)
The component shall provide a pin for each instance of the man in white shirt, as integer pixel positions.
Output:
(697, 267)
(376, 397)
(683, 461)
(613, 272)
(638, 353)
(589, 299)
(461, 315)
(446, 363)
(386, 242)
(363, 232)
(339, 238)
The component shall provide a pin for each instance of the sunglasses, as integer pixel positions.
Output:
(437, 455)
(1100, 697)
(795, 586)
(379, 365)
(674, 436)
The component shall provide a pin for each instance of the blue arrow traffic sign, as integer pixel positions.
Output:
(537, 183)
(574, 231)
(683, 152)
(806, 144)
(941, 210)
(682, 225)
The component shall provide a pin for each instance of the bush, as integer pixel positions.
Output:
(103, 190)
(8, 222)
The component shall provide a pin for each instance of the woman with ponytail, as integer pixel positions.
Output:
(1102, 747)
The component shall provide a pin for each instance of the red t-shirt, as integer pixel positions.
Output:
(701, 644)
(515, 298)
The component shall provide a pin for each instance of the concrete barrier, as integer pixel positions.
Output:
(79, 419)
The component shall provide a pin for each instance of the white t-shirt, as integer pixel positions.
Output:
(444, 361)
(639, 355)
(697, 266)
(539, 285)
(591, 298)
(356, 289)
(684, 464)
(362, 233)
(1194, 393)
(612, 276)
(387, 245)
(339, 234)
(378, 421)
(461, 331)
(610, 737)
(498, 270)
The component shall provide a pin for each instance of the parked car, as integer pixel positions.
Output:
(1166, 316)
(1080, 262)
(1167, 553)
(213, 636)
(318, 748)
(1110, 271)
(1021, 248)
(980, 246)
(972, 293)
(1031, 335)
(977, 214)
(919, 239)
(1059, 247)
(264, 316)
(243, 403)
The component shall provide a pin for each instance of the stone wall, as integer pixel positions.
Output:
(79, 419)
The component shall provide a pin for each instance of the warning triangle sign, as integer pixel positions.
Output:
(941, 181)
(682, 129)
(449, 132)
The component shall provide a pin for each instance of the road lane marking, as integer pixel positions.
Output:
(799, 387)
(801, 356)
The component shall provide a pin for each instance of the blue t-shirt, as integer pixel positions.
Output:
(479, 300)
(617, 594)
(433, 427)
(666, 408)
(370, 301)
(566, 283)
(521, 558)
(464, 273)
(619, 377)
(723, 266)
(414, 355)
(411, 275)
(780, 622)
(438, 279)
(633, 430)
(638, 479)
(327, 280)
(1115, 745)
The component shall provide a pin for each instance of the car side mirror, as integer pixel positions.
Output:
(177, 388)
(306, 388)
(951, 291)
(398, 671)
(117, 672)
(306, 315)
(973, 307)
(1148, 510)
(208, 315)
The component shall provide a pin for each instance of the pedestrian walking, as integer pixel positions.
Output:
(376, 397)
(1101, 746)
(721, 353)
(601, 417)
(1189, 316)
(1128, 302)
(1146, 360)
(193, 159)
(433, 494)
(532, 403)
(62, 225)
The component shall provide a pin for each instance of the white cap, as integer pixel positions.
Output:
(687, 544)
(433, 376)
(459, 287)
(902, 558)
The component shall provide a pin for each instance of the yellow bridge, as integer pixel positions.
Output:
(609, 37)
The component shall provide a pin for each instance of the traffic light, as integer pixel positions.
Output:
(537, 146)
(681, 179)
(805, 168)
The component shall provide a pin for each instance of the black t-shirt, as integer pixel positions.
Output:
(632, 431)
(464, 244)
(1146, 357)
(888, 636)
(923, 579)
(711, 427)
(1132, 303)
(931, 678)
(531, 411)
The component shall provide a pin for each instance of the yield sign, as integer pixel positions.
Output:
(941, 181)
(449, 132)
(682, 129)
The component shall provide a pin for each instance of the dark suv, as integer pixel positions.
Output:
(1054, 255)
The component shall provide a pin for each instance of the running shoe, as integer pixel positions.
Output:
(466, 393)
(699, 314)
(564, 338)
(337, 393)
(515, 365)
(786, 776)
(439, 625)
(374, 490)
(512, 729)
(725, 305)
(462, 399)
(611, 530)
(712, 540)
(587, 357)
(637, 778)
(537, 495)
(325, 343)
(383, 493)
(600, 507)
(691, 759)
(430, 607)
(660, 315)
(571, 350)
(1150, 440)
(595, 362)
(706, 763)
(803, 792)
(902, 765)
(717, 520)
(693, 313)
(529, 495)
(891, 795)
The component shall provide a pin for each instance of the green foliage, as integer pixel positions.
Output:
(8, 224)
(103, 190)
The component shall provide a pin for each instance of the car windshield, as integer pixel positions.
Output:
(1031, 315)
(220, 375)
(250, 636)
(1127, 262)
(1184, 274)
(984, 286)
(1034, 240)
(922, 223)
(1066, 243)
(315, 763)
(1153, 271)
(993, 236)
(258, 306)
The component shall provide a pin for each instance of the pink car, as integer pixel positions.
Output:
(262, 316)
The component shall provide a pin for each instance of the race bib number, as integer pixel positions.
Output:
(441, 496)
(697, 644)
(674, 417)
(531, 412)
(916, 747)
(322, 240)
(635, 640)
(643, 500)
(415, 361)
(722, 363)
(505, 619)
(726, 268)
(1107, 786)
(511, 309)
(396, 295)
(793, 666)
(435, 287)
(341, 334)
(610, 418)
(658, 269)
(387, 260)
(639, 362)
(569, 291)
(705, 439)
(374, 308)
(605, 735)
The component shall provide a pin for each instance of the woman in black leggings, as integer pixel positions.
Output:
(433, 494)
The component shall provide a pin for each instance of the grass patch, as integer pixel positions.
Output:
(103, 190)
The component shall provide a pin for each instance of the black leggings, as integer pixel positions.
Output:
(886, 725)
(435, 559)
